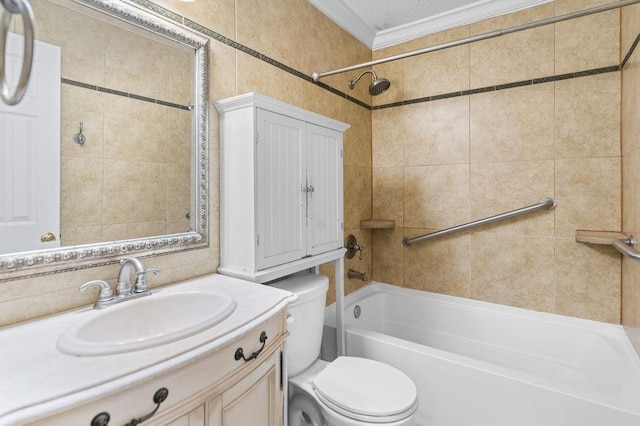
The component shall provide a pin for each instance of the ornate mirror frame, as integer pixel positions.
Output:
(44, 262)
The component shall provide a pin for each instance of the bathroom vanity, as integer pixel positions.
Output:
(228, 374)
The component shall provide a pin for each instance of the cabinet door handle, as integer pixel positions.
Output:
(159, 397)
(240, 353)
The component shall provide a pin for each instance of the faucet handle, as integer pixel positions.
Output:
(140, 285)
(105, 290)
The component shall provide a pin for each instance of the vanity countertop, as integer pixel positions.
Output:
(37, 379)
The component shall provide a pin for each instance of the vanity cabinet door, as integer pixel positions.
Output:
(254, 401)
(193, 418)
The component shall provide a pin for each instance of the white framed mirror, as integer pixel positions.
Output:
(129, 138)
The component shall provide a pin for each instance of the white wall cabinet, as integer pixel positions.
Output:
(281, 188)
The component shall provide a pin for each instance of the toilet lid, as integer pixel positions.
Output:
(360, 387)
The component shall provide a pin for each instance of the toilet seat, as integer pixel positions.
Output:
(366, 390)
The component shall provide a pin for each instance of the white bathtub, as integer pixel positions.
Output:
(478, 363)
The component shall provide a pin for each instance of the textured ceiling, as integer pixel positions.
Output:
(383, 23)
(385, 14)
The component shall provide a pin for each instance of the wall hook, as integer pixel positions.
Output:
(79, 138)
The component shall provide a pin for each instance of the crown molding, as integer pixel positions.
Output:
(475, 12)
(346, 18)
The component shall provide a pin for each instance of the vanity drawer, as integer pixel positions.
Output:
(188, 385)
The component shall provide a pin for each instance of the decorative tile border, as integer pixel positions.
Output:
(522, 83)
(125, 94)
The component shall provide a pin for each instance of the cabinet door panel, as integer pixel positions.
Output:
(280, 198)
(324, 174)
(257, 399)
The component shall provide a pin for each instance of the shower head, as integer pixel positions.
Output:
(377, 86)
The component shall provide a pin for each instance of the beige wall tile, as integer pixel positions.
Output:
(272, 27)
(354, 52)
(502, 187)
(631, 192)
(123, 231)
(357, 139)
(387, 194)
(514, 124)
(181, 71)
(629, 28)
(387, 137)
(440, 266)
(217, 15)
(134, 191)
(630, 104)
(436, 197)
(323, 48)
(587, 120)
(80, 37)
(81, 186)
(222, 74)
(589, 195)
(588, 42)
(513, 270)
(254, 75)
(437, 72)
(357, 195)
(394, 71)
(515, 57)
(631, 294)
(78, 105)
(437, 132)
(587, 281)
(135, 130)
(80, 235)
(388, 255)
(131, 58)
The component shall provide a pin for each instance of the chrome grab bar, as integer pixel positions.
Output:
(626, 247)
(23, 8)
(547, 203)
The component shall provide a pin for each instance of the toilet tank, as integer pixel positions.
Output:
(306, 319)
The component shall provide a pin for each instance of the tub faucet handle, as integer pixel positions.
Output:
(352, 247)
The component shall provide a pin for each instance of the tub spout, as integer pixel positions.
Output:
(355, 275)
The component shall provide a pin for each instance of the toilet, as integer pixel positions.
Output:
(349, 391)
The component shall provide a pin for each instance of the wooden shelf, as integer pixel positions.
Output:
(599, 237)
(377, 224)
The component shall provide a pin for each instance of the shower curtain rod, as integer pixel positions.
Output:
(317, 76)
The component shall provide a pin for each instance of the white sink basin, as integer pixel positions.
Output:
(145, 322)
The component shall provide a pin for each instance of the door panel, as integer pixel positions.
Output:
(280, 195)
(324, 173)
(30, 153)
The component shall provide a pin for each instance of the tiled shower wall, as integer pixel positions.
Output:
(476, 130)
(266, 46)
(631, 168)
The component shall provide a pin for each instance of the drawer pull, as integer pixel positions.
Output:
(240, 353)
(159, 397)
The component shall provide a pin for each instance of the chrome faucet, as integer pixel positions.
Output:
(124, 290)
(124, 280)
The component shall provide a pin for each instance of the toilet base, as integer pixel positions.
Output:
(306, 410)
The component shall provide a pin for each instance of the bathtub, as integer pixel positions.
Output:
(481, 364)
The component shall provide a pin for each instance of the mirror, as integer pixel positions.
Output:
(133, 140)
